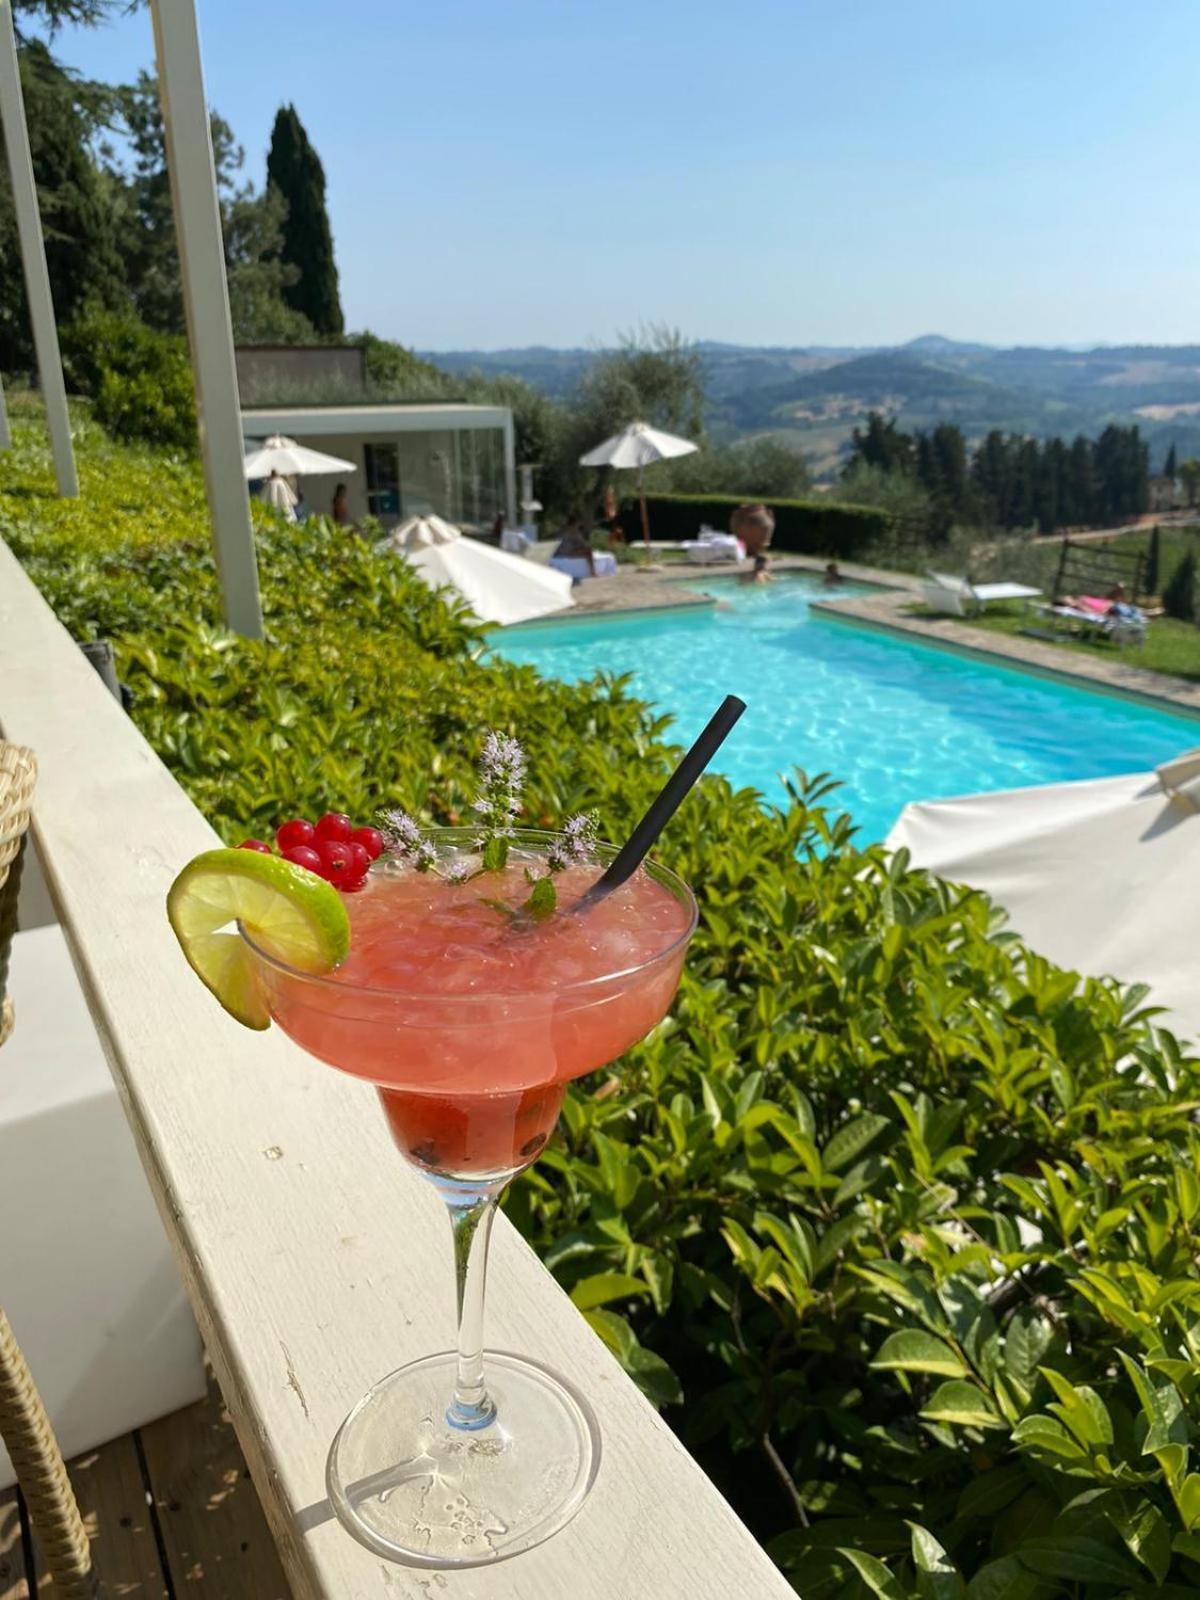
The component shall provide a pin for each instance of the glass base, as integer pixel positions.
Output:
(414, 1489)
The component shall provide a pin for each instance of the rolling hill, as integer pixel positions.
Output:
(813, 397)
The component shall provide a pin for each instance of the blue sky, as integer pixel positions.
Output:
(766, 172)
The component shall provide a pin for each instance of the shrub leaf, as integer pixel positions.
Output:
(912, 1350)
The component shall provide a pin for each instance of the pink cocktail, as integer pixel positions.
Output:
(472, 1027)
(471, 1021)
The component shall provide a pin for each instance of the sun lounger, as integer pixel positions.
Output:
(711, 547)
(959, 597)
(576, 567)
(1084, 624)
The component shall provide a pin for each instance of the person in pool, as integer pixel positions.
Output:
(832, 577)
(754, 524)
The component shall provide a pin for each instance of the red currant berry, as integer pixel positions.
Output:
(371, 840)
(255, 844)
(354, 885)
(360, 860)
(302, 855)
(335, 825)
(295, 832)
(337, 861)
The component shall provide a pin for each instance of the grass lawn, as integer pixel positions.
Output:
(1171, 647)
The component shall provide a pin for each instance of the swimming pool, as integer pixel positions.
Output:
(893, 720)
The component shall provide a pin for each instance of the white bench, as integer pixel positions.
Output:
(314, 1261)
(578, 567)
(711, 547)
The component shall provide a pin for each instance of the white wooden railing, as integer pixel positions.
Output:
(315, 1262)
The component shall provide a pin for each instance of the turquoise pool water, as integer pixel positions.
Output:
(893, 720)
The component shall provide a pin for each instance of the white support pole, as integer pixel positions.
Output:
(206, 301)
(33, 259)
(510, 469)
(5, 432)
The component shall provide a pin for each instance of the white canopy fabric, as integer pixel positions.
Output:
(638, 445)
(418, 532)
(497, 586)
(291, 460)
(1100, 876)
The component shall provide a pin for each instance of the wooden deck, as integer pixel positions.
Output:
(171, 1512)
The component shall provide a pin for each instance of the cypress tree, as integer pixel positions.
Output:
(1026, 466)
(990, 473)
(294, 168)
(927, 465)
(1169, 467)
(1153, 558)
(1049, 486)
(1179, 597)
(1082, 477)
(949, 451)
(1139, 473)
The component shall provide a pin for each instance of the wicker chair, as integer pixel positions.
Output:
(24, 1425)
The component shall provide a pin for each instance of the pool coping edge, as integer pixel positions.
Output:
(840, 611)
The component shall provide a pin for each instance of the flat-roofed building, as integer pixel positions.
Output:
(411, 456)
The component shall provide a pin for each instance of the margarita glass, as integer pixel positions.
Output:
(471, 1019)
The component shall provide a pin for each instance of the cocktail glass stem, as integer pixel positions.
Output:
(472, 1211)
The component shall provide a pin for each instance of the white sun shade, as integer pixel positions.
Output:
(291, 460)
(420, 531)
(497, 586)
(1099, 876)
(638, 445)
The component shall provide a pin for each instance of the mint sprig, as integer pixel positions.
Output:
(495, 854)
(497, 805)
(542, 901)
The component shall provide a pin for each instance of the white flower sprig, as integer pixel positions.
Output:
(577, 846)
(498, 798)
(404, 838)
(497, 805)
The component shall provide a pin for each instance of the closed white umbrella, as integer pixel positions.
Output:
(638, 446)
(279, 493)
(1099, 876)
(291, 460)
(418, 532)
(497, 586)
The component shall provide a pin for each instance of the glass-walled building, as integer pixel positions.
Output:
(453, 460)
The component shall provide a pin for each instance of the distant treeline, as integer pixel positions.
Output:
(1009, 481)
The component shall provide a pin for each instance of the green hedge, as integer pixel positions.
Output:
(905, 1216)
(138, 379)
(805, 527)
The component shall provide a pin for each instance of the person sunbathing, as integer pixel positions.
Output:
(1113, 604)
(1113, 607)
(1120, 607)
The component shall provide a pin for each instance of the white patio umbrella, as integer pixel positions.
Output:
(1099, 876)
(638, 446)
(291, 460)
(497, 586)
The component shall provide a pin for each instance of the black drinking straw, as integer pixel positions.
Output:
(635, 849)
